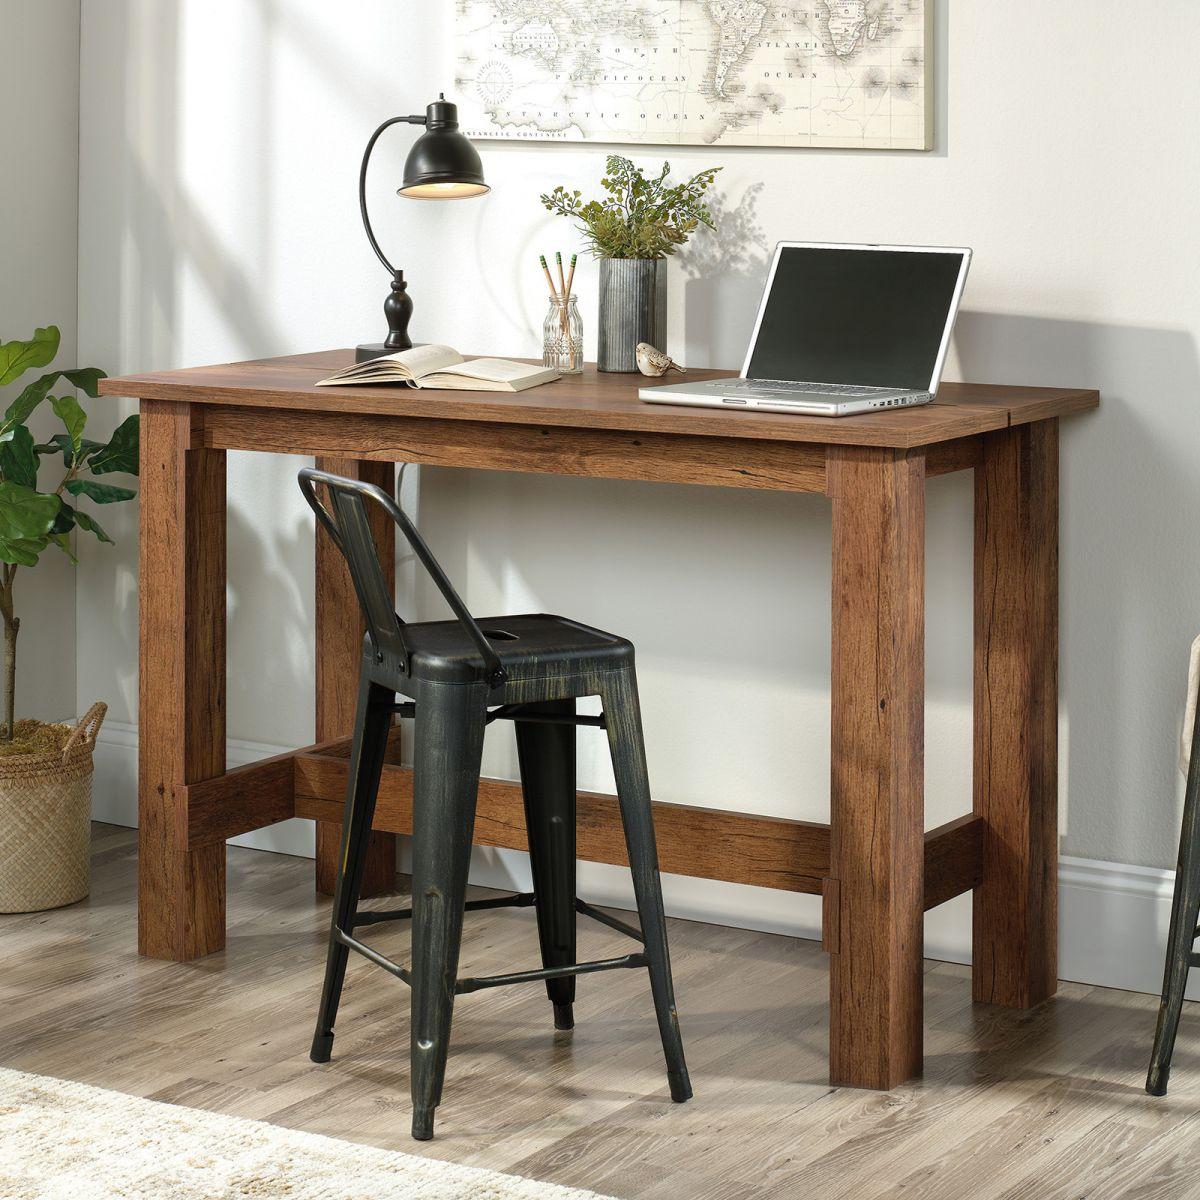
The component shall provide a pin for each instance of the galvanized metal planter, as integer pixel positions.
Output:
(633, 308)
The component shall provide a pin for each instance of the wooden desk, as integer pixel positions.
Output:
(876, 867)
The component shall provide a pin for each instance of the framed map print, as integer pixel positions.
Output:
(820, 73)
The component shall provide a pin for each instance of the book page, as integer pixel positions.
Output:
(423, 360)
(495, 370)
(402, 367)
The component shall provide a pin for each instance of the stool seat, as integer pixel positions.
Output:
(443, 652)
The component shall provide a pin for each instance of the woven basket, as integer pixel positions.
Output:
(45, 822)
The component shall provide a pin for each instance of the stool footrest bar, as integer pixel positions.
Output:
(377, 917)
(519, 900)
(626, 962)
(581, 906)
(393, 968)
(518, 712)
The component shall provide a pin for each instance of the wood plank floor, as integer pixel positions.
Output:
(1025, 1106)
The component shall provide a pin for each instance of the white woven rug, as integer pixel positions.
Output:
(68, 1141)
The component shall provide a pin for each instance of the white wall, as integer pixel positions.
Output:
(220, 146)
(39, 109)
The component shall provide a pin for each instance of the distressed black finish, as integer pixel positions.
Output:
(1185, 910)
(371, 725)
(460, 675)
(619, 695)
(546, 754)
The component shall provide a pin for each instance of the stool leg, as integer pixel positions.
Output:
(371, 726)
(1185, 910)
(449, 747)
(619, 694)
(546, 754)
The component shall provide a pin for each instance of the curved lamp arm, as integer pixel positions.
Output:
(362, 183)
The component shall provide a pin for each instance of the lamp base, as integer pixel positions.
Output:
(397, 308)
(369, 350)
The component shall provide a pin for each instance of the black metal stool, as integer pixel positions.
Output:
(1185, 912)
(461, 675)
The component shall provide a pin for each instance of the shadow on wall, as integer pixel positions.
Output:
(167, 238)
(173, 236)
(1130, 572)
(725, 269)
(282, 668)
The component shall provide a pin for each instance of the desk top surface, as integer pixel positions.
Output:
(595, 400)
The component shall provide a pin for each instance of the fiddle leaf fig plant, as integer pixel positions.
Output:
(33, 518)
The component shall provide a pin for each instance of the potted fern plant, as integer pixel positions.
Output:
(632, 229)
(45, 768)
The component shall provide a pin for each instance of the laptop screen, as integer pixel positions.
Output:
(872, 317)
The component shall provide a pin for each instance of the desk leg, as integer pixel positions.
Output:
(181, 707)
(877, 857)
(340, 630)
(1016, 715)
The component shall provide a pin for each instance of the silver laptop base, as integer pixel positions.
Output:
(795, 398)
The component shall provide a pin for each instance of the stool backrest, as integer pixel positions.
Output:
(347, 521)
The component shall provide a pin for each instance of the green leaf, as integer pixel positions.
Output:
(61, 443)
(22, 407)
(18, 458)
(63, 542)
(91, 525)
(25, 513)
(23, 551)
(67, 409)
(87, 379)
(121, 453)
(65, 521)
(18, 357)
(102, 493)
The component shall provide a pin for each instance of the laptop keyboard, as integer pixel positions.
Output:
(793, 385)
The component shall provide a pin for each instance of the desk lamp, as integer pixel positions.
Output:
(442, 165)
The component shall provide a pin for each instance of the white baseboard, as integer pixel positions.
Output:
(1112, 916)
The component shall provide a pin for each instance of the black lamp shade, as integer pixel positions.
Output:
(442, 165)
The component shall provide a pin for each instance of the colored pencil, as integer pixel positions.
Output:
(562, 292)
(567, 306)
(549, 281)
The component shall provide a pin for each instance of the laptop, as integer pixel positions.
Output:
(842, 329)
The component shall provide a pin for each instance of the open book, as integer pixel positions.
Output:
(441, 367)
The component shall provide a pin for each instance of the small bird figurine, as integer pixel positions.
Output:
(654, 362)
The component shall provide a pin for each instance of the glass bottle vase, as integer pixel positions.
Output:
(562, 337)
